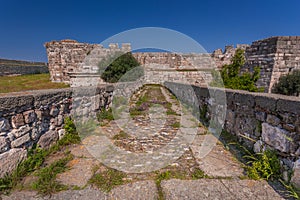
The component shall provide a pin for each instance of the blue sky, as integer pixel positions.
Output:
(27, 25)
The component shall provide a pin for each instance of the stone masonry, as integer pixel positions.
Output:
(275, 56)
(38, 118)
(261, 121)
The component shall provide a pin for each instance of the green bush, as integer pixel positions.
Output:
(288, 84)
(114, 67)
(232, 77)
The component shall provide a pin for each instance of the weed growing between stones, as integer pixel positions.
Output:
(36, 157)
(108, 179)
(264, 165)
(105, 116)
(46, 183)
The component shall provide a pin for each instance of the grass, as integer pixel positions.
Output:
(46, 183)
(28, 82)
(108, 179)
(105, 116)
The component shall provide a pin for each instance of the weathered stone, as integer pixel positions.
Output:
(21, 131)
(4, 145)
(261, 116)
(48, 139)
(61, 133)
(296, 175)
(289, 127)
(17, 120)
(36, 131)
(10, 160)
(273, 120)
(258, 146)
(276, 137)
(21, 141)
(54, 111)
(29, 116)
(4, 125)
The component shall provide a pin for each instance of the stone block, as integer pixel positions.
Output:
(4, 125)
(273, 120)
(296, 175)
(10, 160)
(21, 131)
(29, 116)
(4, 145)
(48, 139)
(17, 120)
(276, 137)
(21, 141)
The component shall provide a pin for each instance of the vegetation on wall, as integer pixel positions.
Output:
(288, 84)
(114, 67)
(231, 76)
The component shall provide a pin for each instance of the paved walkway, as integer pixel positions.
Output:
(224, 175)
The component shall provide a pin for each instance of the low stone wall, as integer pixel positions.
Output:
(22, 70)
(37, 117)
(259, 120)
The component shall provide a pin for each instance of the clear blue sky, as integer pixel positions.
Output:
(27, 25)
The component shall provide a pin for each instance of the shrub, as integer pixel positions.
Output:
(117, 65)
(288, 84)
(232, 77)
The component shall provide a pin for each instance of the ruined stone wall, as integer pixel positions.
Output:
(276, 56)
(269, 120)
(38, 118)
(68, 57)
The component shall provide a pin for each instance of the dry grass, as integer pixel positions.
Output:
(27, 82)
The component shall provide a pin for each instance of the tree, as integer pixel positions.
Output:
(288, 84)
(232, 77)
(115, 66)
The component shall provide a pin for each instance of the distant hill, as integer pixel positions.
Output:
(20, 67)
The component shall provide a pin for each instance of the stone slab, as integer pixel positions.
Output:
(218, 189)
(218, 161)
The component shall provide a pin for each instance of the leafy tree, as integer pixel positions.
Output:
(288, 84)
(232, 77)
(115, 66)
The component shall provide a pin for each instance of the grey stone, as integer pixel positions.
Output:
(296, 175)
(218, 189)
(258, 146)
(17, 120)
(48, 139)
(21, 131)
(54, 111)
(10, 160)
(61, 133)
(29, 116)
(138, 190)
(273, 120)
(4, 145)
(276, 137)
(261, 116)
(21, 141)
(4, 125)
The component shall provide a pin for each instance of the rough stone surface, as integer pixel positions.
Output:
(138, 190)
(275, 137)
(48, 139)
(17, 121)
(219, 162)
(4, 125)
(4, 145)
(296, 175)
(218, 189)
(20, 142)
(10, 160)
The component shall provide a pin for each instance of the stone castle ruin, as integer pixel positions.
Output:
(276, 56)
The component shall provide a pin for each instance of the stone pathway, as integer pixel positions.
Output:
(223, 172)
